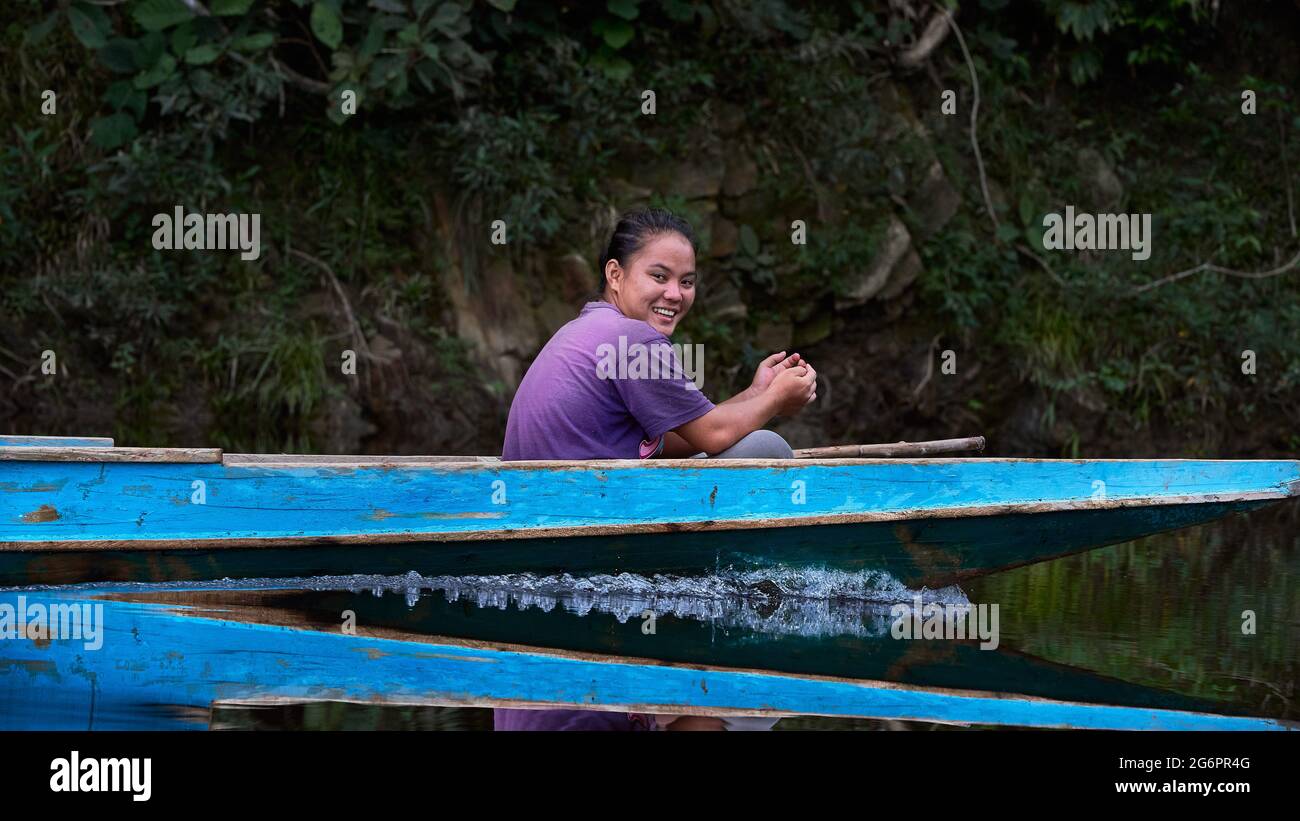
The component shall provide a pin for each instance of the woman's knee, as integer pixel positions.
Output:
(761, 444)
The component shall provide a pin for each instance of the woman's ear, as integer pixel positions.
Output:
(613, 273)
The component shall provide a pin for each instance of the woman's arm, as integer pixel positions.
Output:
(730, 422)
(675, 447)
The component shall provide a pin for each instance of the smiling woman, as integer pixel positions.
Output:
(572, 404)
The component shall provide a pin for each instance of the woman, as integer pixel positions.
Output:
(570, 406)
(573, 403)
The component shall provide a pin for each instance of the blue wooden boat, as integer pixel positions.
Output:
(164, 665)
(92, 512)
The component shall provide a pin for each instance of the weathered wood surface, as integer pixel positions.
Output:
(55, 441)
(154, 664)
(316, 459)
(110, 454)
(894, 450)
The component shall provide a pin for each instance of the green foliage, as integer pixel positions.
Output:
(530, 113)
(1140, 33)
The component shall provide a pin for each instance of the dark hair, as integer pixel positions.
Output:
(634, 229)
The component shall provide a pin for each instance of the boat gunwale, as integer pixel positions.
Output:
(113, 454)
(489, 462)
(703, 525)
(83, 454)
(16, 440)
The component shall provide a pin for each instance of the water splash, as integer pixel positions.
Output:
(774, 601)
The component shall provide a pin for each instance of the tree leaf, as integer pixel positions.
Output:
(254, 42)
(119, 56)
(373, 43)
(502, 5)
(616, 68)
(202, 55)
(623, 8)
(426, 71)
(184, 38)
(448, 20)
(410, 35)
(748, 240)
(390, 22)
(147, 50)
(385, 68)
(326, 25)
(230, 8)
(156, 15)
(112, 131)
(122, 95)
(616, 33)
(162, 71)
(679, 10)
(90, 25)
(118, 94)
(41, 30)
(1027, 210)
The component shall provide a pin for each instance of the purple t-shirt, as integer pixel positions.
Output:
(604, 387)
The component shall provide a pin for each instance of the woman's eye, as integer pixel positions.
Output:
(659, 277)
(686, 283)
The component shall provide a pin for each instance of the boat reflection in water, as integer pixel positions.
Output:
(775, 642)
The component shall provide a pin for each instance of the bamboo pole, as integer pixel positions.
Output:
(970, 443)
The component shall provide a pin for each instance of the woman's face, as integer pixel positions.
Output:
(658, 284)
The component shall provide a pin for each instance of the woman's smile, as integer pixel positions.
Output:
(664, 315)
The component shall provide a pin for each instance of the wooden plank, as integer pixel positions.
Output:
(894, 450)
(110, 454)
(282, 459)
(787, 464)
(55, 442)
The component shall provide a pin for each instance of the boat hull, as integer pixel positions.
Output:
(925, 521)
(931, 552)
